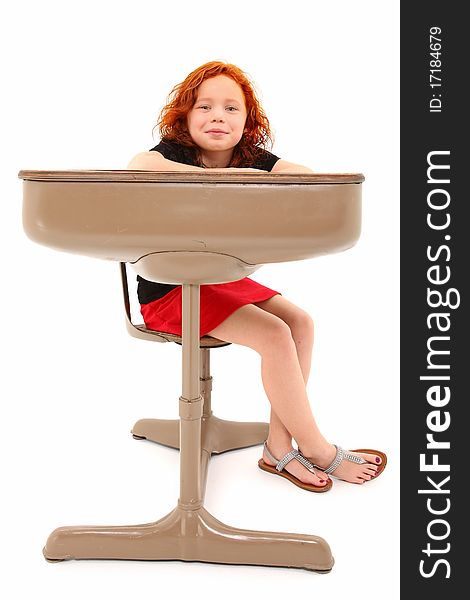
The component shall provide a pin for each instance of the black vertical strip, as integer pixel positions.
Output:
(435, 250)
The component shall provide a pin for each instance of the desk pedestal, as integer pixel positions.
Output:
(189, 532)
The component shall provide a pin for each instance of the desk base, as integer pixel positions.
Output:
(193, 534)
(190, 535)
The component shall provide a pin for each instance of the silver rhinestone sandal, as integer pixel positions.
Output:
(278, 469)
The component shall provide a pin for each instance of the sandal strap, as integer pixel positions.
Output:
(286, 459)
(305, 462)
(354, 458)
(343, 455)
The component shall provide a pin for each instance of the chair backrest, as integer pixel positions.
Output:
(141, 332)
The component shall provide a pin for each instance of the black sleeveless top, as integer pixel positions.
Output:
(148, 291)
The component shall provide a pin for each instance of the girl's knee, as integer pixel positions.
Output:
(302, 325)
(276, 334)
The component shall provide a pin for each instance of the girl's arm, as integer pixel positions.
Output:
(283, 166)
(154, 161)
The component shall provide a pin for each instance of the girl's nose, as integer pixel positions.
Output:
(217, 116)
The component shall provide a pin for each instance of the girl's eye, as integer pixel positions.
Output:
(231, 108)
(204, 107)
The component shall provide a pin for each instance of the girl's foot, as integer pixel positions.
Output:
(355, 466)
(319, 479)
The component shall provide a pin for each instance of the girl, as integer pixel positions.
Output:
(213, 120)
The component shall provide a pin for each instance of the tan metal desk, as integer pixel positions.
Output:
(192, 229)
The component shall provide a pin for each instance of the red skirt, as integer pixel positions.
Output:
(218, 302)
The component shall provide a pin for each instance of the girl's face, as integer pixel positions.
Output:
(217, 119)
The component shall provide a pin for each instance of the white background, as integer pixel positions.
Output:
(82, 86)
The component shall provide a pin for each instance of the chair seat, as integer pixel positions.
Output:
(205, 342)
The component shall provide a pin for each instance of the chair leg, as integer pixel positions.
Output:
(218, 435)
(189, 532)
(161, 431)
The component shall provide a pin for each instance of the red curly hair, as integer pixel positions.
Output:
(172, 122)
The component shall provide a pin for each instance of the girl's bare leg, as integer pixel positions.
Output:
(302, 330)
(285, 364)
(301, 326)
(282, 378)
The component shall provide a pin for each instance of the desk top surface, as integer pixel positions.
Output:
(191, 177)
